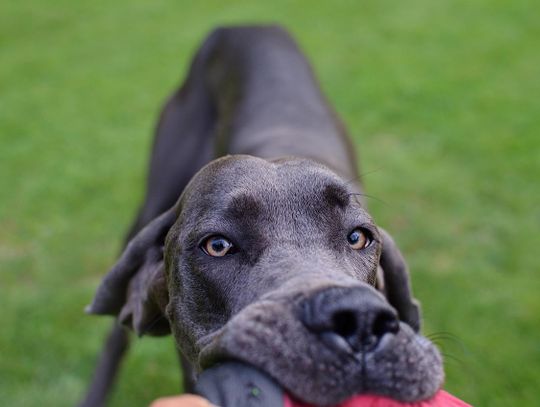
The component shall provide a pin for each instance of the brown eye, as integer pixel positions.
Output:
(359, 239)
(216, 246)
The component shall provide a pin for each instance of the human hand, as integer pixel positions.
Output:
(186, 400)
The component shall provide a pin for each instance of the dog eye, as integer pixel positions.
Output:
(359, 239)
(217, 246)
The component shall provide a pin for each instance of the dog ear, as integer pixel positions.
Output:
(135, 289)
(396, 282)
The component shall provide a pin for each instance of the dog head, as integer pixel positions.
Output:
(275, 263)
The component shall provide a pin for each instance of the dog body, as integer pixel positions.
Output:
(254, 243)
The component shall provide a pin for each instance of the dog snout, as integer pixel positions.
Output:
(349, 318)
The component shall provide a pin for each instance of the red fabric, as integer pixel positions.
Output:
(441, 399)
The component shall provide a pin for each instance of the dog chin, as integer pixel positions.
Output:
(404, 366)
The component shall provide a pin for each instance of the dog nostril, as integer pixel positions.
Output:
(353, 320)
(344, 323)
(385, 322)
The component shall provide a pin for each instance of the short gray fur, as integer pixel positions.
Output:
(249, 148)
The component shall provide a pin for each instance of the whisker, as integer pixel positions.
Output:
(448, 337)
(362, 175)
(367, 196)
(445, 333)
(450, 357)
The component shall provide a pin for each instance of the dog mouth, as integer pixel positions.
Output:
(323, 369)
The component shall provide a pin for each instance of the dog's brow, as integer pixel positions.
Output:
(336, 194)
(243, 205)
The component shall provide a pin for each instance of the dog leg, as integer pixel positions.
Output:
(188, 374)
(116, 345)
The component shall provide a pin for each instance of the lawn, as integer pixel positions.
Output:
(442, 99)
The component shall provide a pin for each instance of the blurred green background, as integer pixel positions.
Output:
(442, 99)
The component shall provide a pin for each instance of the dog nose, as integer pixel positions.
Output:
(354, 317)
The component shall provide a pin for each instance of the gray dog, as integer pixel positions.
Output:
(265, 255)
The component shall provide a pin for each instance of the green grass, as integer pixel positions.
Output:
(442, 100)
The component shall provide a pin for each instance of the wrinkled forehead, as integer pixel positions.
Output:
(239, 187)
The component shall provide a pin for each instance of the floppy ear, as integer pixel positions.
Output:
(135, 288)
(396, 282)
